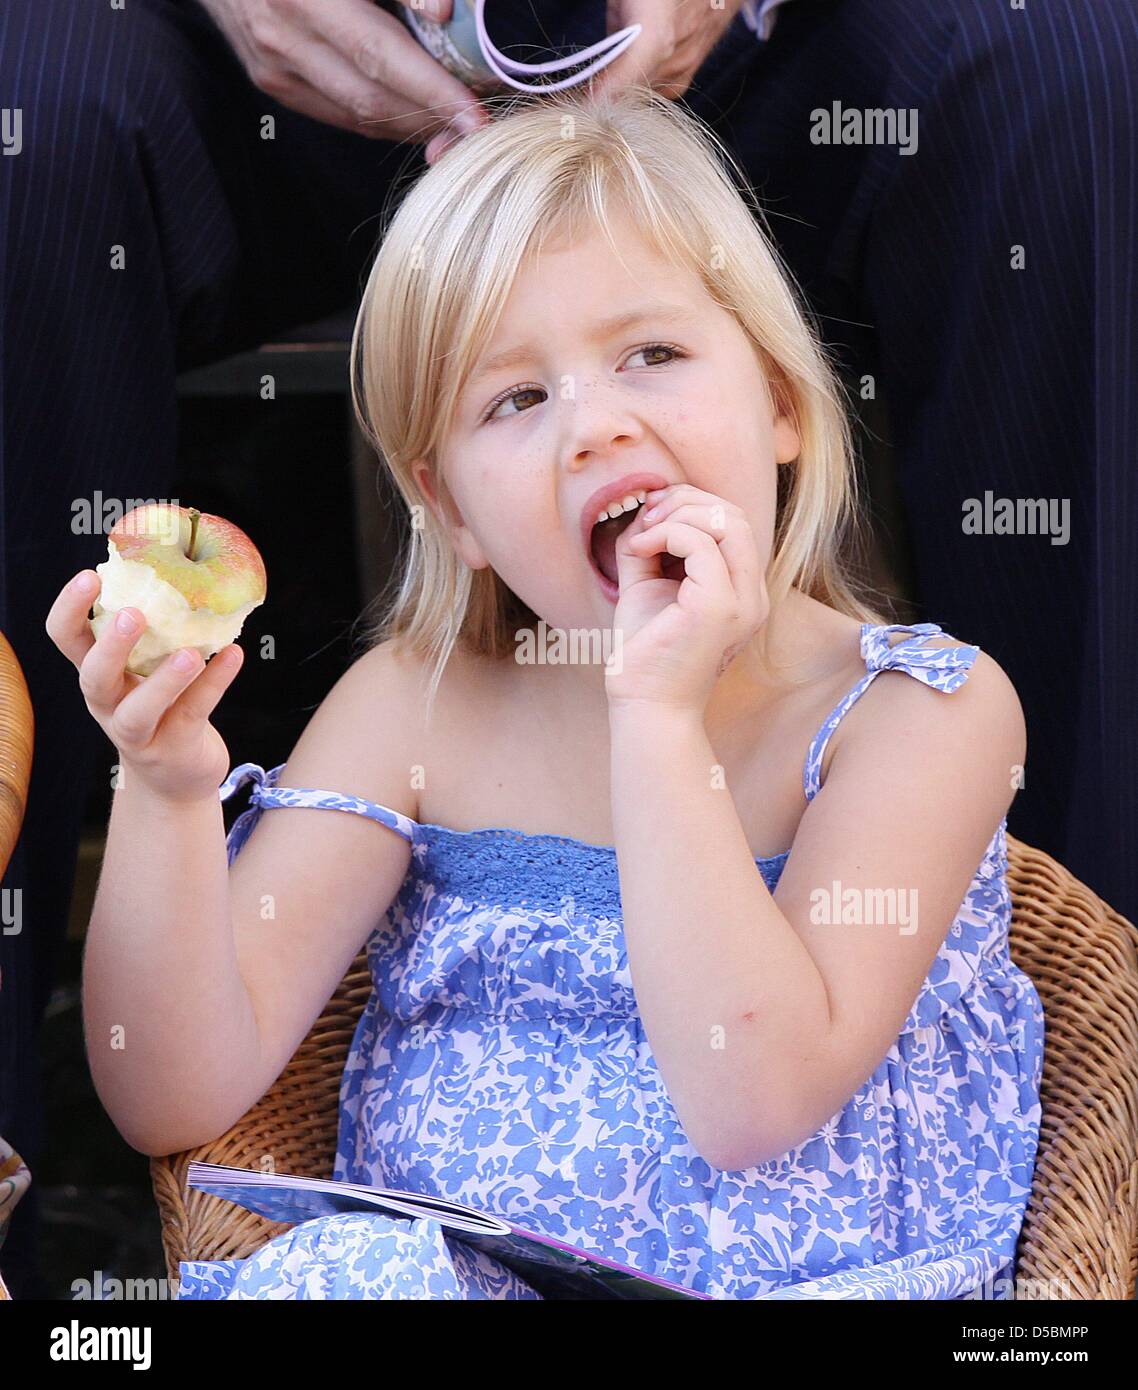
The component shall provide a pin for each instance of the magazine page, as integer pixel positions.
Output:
(556, 1270)
(464, 48)
(293, 1197)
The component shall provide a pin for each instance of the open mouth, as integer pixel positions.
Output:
(602, 545)
(602, 540)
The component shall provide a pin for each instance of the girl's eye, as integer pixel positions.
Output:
(512, 394)
(516, 391)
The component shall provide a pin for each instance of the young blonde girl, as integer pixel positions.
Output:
(691, 952)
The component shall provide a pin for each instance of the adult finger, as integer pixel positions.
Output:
(294, 92)
(648, 52)
(383, 50)
(319, 81)
(441, 11)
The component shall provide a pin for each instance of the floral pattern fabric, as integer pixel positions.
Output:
(501, 1061)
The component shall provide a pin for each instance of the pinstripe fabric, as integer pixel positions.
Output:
(1014, 382)
(761, 16)
(141, 130)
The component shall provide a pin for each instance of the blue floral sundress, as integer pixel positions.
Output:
(501, 1061)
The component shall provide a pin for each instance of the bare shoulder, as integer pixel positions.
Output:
(979, 726)
(986, 703)
(311, 884)
(364, 737)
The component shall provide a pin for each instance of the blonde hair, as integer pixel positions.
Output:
(551, 166)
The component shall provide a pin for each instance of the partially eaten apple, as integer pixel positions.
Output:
(196, 577)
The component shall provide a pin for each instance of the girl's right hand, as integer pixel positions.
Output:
(159, 723)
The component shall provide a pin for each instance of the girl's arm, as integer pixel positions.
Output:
(170, 1028)
(200, 980)
(764, 1021)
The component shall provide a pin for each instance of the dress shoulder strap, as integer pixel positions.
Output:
(266, 794)
(942, 668)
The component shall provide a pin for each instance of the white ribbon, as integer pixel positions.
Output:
(500, 66)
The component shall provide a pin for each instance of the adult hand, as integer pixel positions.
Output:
(677, 35)
(348, 63)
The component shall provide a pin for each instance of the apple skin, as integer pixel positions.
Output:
(196, 577)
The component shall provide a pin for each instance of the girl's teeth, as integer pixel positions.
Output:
(626, 504)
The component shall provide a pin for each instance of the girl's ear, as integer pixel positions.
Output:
(448, 515)
(787, 442)
(422, 473)
(784, 426)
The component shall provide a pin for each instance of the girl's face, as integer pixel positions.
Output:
(583, 404)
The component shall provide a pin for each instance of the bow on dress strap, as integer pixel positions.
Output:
(942, 668)
(246, 772)
(242, 827)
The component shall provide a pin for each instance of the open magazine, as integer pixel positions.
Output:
(464, 48)
(555, 1270)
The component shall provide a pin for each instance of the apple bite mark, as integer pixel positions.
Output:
(195, 578)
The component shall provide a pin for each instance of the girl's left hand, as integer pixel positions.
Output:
(677, 636)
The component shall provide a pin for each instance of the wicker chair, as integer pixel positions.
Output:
(1081, 1225)
(17, 730)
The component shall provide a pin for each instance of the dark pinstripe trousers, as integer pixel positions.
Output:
(1005, 372)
